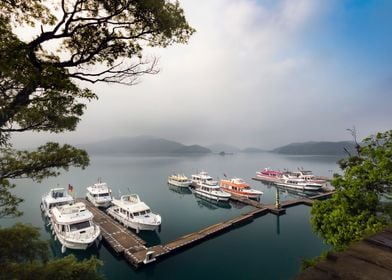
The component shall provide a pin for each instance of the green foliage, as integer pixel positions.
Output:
(306, 263)
(20, 244)
(38, 89)
(24, 256)
(46, 161)
(8, 202)
(361, 204)
(42, 163)
(96, 41)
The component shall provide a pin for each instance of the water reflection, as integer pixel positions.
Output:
(151, 237)
(295, 192)
(236, 204)
(277, 224)
(180, 190)
(210, 204)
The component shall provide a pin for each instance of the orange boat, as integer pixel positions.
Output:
(237, 186)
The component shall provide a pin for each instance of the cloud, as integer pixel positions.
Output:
(255, 73)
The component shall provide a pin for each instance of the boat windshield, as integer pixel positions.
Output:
(51, 205)
(79, 226)
(141, 213)
(56, 194)
(103, 194)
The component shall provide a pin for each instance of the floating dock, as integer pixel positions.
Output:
(127, 244)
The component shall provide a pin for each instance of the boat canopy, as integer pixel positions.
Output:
(68, 214)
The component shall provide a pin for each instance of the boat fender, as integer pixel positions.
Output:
(55, 238)
(63, 249)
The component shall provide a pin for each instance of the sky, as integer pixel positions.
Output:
(259, 73)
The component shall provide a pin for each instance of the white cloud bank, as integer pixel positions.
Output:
(245, 78)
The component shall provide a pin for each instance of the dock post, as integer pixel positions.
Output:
(149, 257)
(277, 203)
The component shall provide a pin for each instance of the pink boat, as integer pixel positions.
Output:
(269, 175)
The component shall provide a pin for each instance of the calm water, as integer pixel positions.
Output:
(270, 247)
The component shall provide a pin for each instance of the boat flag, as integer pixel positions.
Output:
(224, 174)
(70, 188)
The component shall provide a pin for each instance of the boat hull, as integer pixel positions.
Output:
(178, 184)
(243, 194)
(299, 187)
(99, 203)
(71, 243)
(267, 178)
(74, 245)
(134, 224)
(211, 196)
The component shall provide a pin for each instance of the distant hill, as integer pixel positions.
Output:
(316, 148)
(252, 150)
(192, 149)
(219, 147)
(142, 145)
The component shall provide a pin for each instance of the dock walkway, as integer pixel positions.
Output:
(127, 244)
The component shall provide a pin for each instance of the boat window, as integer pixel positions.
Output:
(148, 211)
(78, 226)
(103, 194)
(57, 194)
(62, 228)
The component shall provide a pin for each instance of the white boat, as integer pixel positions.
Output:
(178, 180)
(99, 194)
(73, 226)
(132, 212)
(211, 190)
(55, 197)
(289, 181)
(205, 186)
(308, 176)
(238, 186)
(202, 177)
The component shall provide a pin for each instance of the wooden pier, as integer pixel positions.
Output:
(127, 244)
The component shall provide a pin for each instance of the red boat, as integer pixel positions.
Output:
(239, 187)
(269, 175)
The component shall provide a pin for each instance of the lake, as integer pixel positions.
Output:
(270, 247)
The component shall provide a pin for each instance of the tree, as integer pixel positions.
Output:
(24, 256)
(79, 41)
(86, 40)
(362, 201)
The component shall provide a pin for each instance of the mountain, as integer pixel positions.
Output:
(192, 149)
(142, 145)
(316, 148)
(252, 150)
(219, 147)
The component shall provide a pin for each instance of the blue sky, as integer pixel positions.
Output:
(259, 73)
